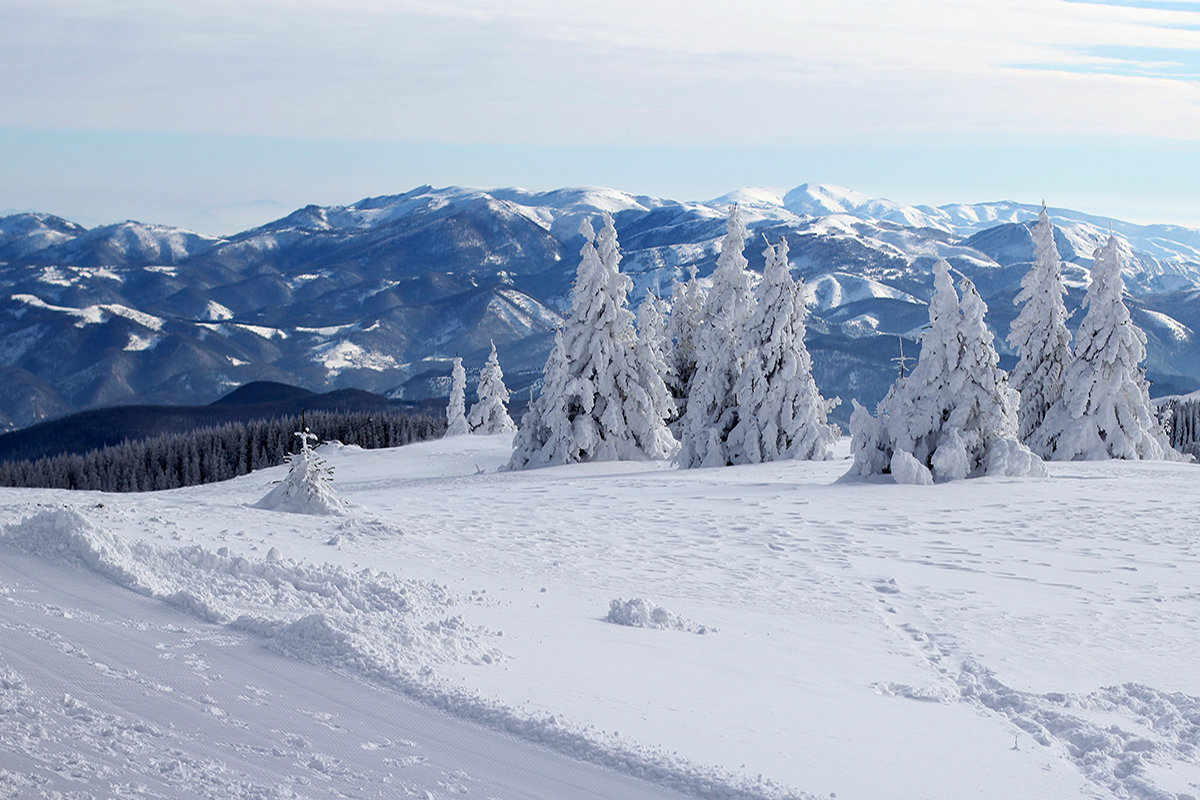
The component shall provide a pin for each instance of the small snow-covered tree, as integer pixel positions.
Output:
(456, 416)
(711, 407)
(683, 325)
(489, 415)
(781, 413)
(1105, 410)
(1039, 335)
(307, 487)
(954, 414)
(600, 401)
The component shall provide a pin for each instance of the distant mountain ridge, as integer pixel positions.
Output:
(382, 293)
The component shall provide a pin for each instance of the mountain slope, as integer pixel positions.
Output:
(381, 294)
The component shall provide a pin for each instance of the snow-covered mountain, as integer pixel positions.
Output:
(381, 294)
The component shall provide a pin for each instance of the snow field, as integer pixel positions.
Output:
(993, 637)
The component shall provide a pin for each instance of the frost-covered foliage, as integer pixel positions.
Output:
(1180, 418)
(490, 413)
(720, 359)
(600, 400)
(652, 332)
(456, 409)
(781, 413)
(1105, 411)
(1039, 335)
(683, 325)
(954, 414)
(307, 488)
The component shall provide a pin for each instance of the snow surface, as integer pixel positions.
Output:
(998, 637)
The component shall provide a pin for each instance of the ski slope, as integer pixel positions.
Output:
(448, 638)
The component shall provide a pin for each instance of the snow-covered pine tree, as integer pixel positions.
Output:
(711, 408)
(1105, 410)
(1039, 335)
(653, 345)
(781, 413)
(489, 415)
(456, 416)
(598, 401)
(954, 414)
(307, 487)
(683, 325)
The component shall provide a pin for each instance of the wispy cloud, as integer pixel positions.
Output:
(766, 71)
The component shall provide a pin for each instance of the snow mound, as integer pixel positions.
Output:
(906, 469)
(638, 612)
(365, 621)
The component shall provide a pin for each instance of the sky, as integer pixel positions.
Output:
(222, 114)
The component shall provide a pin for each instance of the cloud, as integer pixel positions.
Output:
(763, 72)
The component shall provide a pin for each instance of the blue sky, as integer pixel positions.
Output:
(220, 114)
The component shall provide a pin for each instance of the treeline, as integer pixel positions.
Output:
(213, 454)
(1181, 419)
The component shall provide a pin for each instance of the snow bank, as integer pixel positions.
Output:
(371, 625)
(641, 613)
(363, 616)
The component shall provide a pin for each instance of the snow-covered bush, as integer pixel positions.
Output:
(954, 415)
(780, 411)
(720, 359)
(1039, 335)
(456, 417)
(307, 487)
(1105, 410)
(600, 400)
(490, 413)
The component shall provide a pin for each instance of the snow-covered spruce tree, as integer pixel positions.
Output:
(1039, 335)
(652, 339)
(954, 415)
(711, 407)
(781, 413)
(306, 489)
(599, 401)
(1105, 411)
(490, 413)
(683, 324)
(456, 416)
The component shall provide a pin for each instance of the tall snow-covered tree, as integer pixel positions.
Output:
(1105, 410)
(711, 407)
(781, 413)
(456, 409)
(599, 401)
(683, 325)
(954, 415)
(490, 413)
(1039, 335)
(653, 345)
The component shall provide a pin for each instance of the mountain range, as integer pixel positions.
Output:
(381, 294)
